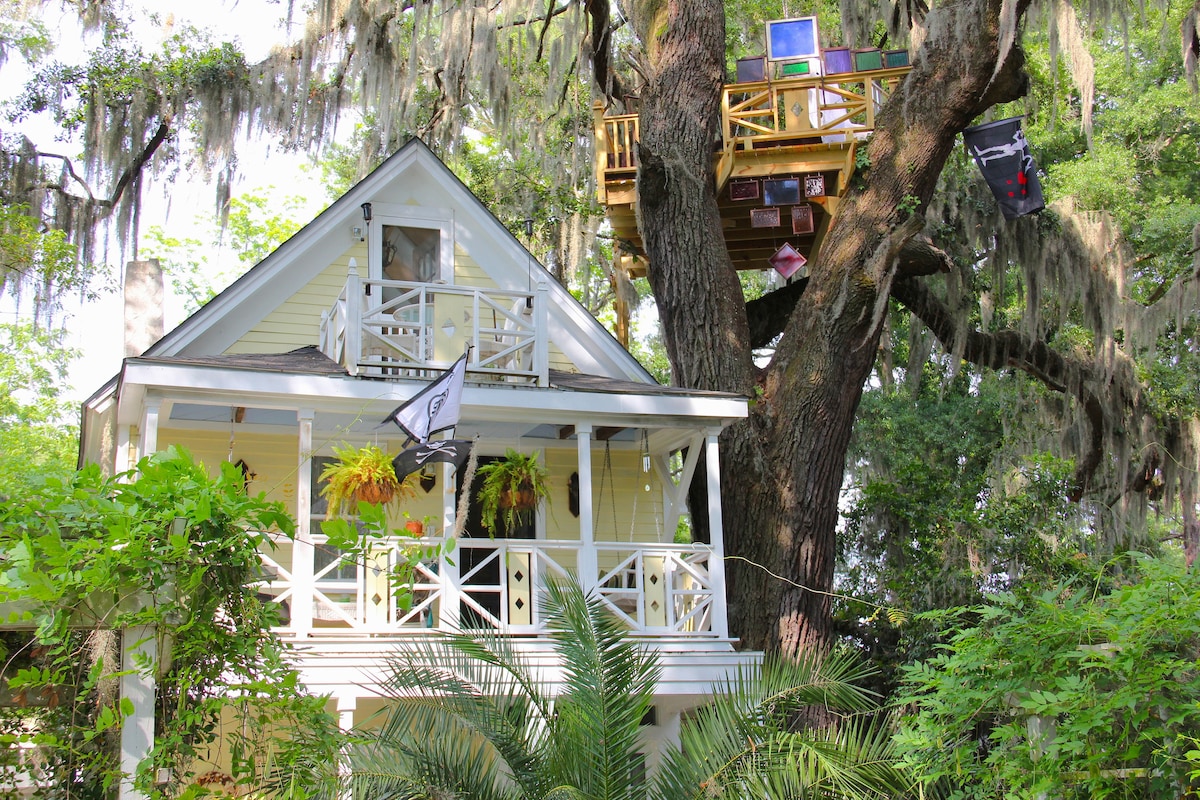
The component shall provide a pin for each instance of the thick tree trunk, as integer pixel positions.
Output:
(782, 468)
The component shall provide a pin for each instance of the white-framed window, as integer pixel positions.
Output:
(411, 244)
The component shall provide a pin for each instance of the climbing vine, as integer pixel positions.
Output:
(165, 548)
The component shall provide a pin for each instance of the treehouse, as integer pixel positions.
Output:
(791, 126)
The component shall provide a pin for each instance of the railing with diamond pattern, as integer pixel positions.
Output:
(656, 589)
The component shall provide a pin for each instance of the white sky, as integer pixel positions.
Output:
(183, 208)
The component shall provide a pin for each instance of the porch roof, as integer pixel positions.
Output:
(310, 361)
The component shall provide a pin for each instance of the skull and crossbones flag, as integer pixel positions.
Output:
(1002, 153)
(449, 451)
(435, 408)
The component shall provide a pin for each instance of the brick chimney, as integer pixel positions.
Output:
(143, 305)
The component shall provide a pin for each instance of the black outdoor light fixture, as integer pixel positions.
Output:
(366, 207)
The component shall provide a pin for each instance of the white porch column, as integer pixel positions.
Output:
(716, 565)
(589, 565)
(121, 452)
(149, 428)
(137, 731)
(346, 706)
(302, 548)
(448, 573)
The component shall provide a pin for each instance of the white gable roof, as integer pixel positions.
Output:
(412, 169)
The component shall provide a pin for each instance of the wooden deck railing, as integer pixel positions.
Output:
(661, 590)
(810, 109)
(398, 328)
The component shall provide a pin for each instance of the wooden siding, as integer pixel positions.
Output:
(467, 271)
(638, 513)
(272, 458)
(297, 321)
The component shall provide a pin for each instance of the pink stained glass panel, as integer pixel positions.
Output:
(787, 260)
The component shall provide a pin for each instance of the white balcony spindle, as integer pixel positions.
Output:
(354, 314)
(541, 345)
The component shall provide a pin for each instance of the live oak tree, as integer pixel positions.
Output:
(937, 249)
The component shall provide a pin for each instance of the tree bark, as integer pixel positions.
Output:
(782, 468)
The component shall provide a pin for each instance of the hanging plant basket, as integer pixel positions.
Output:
(523, 498)
(381, 493)
(511, 489)
(363, 475)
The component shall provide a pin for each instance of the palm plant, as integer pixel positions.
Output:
(472, 717)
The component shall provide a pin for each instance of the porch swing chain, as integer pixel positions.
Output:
(606, 476)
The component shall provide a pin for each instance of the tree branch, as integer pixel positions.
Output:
(135, 168)
(127, 176)
(70, 168)
(606, 80)
(769, 314)
(1013, 350)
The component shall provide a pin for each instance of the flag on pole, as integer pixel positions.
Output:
(448, 451)
(434, 408)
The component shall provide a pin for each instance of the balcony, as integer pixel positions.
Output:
(657, 590)
(388, 328)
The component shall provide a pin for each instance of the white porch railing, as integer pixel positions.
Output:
(661, 590)
(386, 328)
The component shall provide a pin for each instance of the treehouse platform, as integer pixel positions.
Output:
(785, 158)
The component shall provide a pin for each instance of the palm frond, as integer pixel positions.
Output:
(608, 687)
(433, 767)
(469, 690)
(748, 743)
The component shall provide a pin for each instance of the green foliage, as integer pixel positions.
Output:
(470, 715)
(253, 229)
(28, 37)
(510, 489)
(167, 549)
(37, 431)
(40, 260)
(652, 354)
(1080, 691)
(120, 79)
(946, 510)
(366, 469)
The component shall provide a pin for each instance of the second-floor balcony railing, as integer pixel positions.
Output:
(662, 590)
(398, 328)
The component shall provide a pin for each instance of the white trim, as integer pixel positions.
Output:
(401, 216)
(496, 404)
(236, 310)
